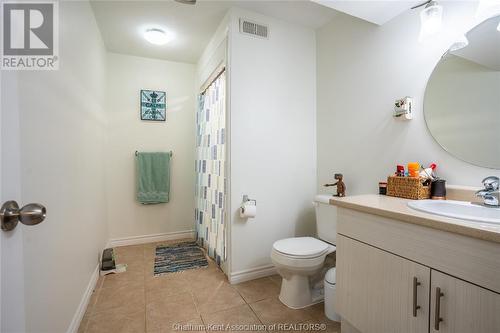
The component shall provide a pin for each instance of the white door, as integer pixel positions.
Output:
(12, 264)
(12, 307)
(461, 307)
(379, 292)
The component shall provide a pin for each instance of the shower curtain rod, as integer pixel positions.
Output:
(211, 79)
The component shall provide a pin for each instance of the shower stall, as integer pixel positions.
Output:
(211, 186)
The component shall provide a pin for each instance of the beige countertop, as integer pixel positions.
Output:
(396, 208)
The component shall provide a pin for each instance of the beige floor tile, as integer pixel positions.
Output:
(276, 279)
(238, 319)
(129, 253)
(272, 311)
(217, 297)
(194, 325)
(83, 324)
(204, 278)
(93, 300)
(99, 282)
(257, 290)
(123, 279)
(130, 298)
(117, 321)
(325, 325)
(316, 311)
(163, 287)
(162, 313)
(136, 266)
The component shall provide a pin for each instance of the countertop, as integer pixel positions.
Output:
(396, 208)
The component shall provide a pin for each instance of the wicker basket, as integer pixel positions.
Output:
(407, 187)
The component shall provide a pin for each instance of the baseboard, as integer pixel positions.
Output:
(134, 240)
(82, 307)
(252, 274)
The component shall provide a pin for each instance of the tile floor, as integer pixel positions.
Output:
(200, 300)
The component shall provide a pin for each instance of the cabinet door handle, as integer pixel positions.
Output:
(415, 301)
(437, 309)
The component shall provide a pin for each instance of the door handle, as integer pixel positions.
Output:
(437, 309)
(30, 214)
(415, 302)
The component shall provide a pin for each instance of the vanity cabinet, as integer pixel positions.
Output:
(463, 307)
(379, 292)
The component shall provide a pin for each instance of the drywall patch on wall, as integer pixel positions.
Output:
(127, 75)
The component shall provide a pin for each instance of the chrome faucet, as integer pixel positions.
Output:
(490, 193)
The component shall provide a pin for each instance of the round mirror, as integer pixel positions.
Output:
(462, 98)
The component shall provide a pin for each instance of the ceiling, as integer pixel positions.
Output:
(122, 23)
(374, 11)
(484, 45)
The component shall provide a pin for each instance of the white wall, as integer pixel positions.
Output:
(214, 54)
(361, 70)
(127, 75)
(62, 126)
(462, 110)
(272, 136)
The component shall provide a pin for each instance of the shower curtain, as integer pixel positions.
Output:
(211, 187)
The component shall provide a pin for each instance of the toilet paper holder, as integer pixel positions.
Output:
(246, 199)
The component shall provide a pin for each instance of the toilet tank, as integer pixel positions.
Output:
(326, 218)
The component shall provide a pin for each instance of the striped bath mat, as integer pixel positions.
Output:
(179, 257)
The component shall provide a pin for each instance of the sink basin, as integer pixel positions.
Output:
(458, 209)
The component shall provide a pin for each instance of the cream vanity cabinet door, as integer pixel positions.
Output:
(463, 307)
(378, 291)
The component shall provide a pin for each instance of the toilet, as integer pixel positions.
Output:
(299, 260)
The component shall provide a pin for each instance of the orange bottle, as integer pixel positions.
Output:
(413, 169)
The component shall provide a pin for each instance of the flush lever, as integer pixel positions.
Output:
(30, 214)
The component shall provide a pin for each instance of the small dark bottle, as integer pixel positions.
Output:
(438, 189)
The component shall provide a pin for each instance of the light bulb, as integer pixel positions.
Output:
(157, 36)
(460, 43)
(431, 18)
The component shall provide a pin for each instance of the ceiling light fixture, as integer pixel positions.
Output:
(460, 43)
(157, 36)
(431, 18)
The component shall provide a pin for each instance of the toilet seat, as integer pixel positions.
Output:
(302, 247)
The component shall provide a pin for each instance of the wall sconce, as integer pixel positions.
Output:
(431, 18)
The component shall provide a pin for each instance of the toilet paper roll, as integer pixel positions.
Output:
(248, 210)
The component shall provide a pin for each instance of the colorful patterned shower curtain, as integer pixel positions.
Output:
(211, 187)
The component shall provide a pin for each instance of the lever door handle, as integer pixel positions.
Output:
(30, 214)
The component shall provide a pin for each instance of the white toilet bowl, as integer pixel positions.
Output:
(296, 260)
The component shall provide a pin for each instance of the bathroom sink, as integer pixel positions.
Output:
(458, 209)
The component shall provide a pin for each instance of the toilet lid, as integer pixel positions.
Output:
(300, 246)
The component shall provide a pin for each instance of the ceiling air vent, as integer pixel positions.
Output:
(254, 29)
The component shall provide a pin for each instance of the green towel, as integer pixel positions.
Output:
(153, 177)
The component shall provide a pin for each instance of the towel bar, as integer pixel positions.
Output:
(170, 152)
